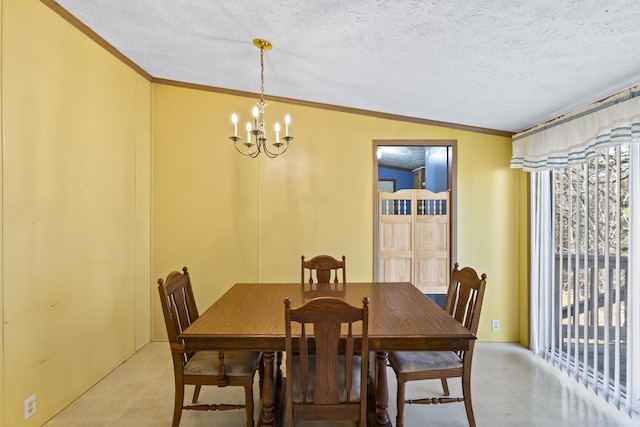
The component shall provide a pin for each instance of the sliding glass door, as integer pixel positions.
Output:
(584, 288)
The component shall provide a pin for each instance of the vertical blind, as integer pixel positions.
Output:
(589, 336)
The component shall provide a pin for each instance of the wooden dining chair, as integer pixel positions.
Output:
(325, 267)
(330, 383)
(463, 302)
(217, 368)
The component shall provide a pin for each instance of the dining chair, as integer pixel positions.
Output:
(330, 383)
(324, 266)
(463, 302)
(217, 368)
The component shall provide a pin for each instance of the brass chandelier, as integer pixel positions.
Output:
(256, 142)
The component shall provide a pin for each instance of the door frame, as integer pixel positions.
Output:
(452, 144)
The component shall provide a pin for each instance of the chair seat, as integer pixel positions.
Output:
(355, 392)
(414, 361)
(237, 363)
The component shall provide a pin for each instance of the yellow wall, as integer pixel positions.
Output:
(75, 202)
(1, 222)
(232, 219)
(488, 226)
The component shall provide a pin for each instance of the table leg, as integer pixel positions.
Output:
(268, 391)
(382, 392)
(278, 368)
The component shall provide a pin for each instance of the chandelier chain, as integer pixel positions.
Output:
(262, 75)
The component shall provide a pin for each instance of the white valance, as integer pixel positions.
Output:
(576, 136)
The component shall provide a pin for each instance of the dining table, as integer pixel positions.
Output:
(250, 316)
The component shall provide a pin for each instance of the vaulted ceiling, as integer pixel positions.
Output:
(496, 64)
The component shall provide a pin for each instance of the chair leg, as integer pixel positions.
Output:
(445, 386)
(177, 406)
(466, 393)
(248, 396)
(400, 404)
(196, 394)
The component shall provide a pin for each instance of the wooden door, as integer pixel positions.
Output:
(396, 236)
(415, 238)
(431, 255)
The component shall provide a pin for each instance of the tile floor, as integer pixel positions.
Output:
(510, 388)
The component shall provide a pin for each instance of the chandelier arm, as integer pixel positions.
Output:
(255, 153)
(269, 154)
(252, 154)
(263, 148)
(272, 154)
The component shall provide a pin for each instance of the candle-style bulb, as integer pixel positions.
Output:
(255, 113)
(287, 122)
(277, 129)
(234, 121)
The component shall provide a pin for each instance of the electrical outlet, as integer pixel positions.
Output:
(29, 406)
(495, 325)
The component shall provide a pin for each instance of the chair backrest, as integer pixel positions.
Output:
(178, 304)
(464, 297)
(330, 323)
(324, 266)
(315, 290)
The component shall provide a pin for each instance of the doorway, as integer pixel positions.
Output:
(414, 164)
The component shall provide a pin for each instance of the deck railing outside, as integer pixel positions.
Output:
(593, 326)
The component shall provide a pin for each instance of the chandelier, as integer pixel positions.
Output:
(256, 142)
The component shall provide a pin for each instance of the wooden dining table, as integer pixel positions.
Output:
(251, 316)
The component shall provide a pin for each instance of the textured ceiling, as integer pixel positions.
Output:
(402, 157)
(497, 64)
